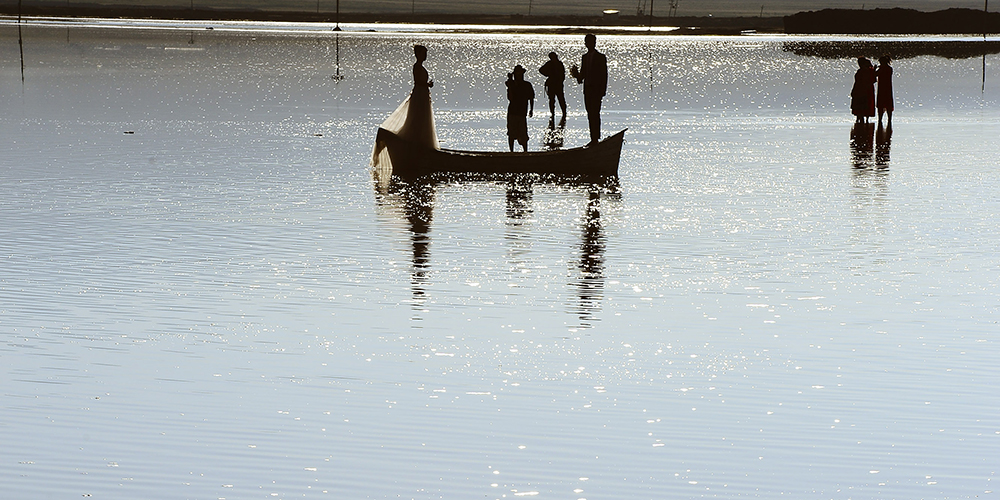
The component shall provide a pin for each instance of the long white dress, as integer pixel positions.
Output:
(413, 119)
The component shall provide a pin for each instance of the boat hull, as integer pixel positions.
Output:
(412, 160)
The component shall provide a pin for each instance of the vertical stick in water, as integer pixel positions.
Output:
(20, 40)
(338, 77)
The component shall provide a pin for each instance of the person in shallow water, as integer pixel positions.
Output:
(863, 91)
(593, 74)
(521, 95)
(883, 74)
(555, 75)
(418, 124)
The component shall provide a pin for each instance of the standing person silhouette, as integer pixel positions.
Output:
(883, 74)
(418, 119)
(555, 75)
(413, 120)
(593, 74)
(521, 95)
(863, 91)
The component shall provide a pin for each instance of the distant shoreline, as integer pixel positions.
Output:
(532, 24)
(827, 21)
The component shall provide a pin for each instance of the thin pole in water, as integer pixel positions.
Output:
(650, 15)
(338, 77)
(338, 17)
(20, 41)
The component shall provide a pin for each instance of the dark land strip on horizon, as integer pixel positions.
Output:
(827, 21)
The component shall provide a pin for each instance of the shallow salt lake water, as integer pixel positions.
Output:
(205, 294)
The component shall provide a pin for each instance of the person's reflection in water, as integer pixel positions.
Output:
(862, 145)
(519, 212)
(414, 203)
(590, 286)
(418, 207)
(870, 202)
(519, 191)
(883, 141)
(554, 135)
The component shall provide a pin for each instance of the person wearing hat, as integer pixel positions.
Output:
(521, 97)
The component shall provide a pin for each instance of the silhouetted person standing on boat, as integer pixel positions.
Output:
(418, 119)
(863, 92)
(883, 74)
(593, 74)
(413, 120)
(521, 95)
(555, 75)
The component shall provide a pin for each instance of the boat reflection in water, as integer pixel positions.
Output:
(414, 201)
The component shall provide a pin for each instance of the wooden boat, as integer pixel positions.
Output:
(413, 160)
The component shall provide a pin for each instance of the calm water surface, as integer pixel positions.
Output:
(205, 294)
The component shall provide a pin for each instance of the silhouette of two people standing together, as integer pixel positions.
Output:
(864, 101)
(865, 151)
(592, 73)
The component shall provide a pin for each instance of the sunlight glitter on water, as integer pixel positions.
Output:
(757, 309)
